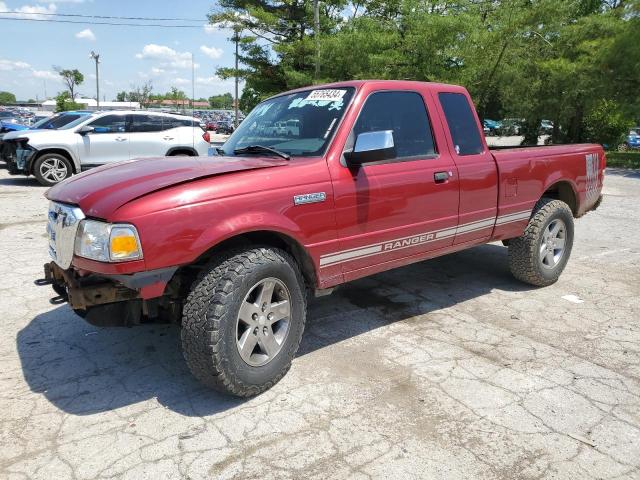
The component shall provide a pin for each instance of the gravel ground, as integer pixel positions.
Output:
(447, 369)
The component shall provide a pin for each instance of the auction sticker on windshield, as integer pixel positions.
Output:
(326, 95)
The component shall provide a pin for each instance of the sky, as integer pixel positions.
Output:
(129, 56)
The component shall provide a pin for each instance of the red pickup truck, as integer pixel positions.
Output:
(375, 175)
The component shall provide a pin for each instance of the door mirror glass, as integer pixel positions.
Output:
(372, 147)
(84, 130)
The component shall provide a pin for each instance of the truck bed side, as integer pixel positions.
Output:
(572, 173)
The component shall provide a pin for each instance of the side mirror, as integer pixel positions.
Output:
(84, 130)
(371, 147)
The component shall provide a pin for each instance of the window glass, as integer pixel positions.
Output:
(109, 124)
(462, 123)
(405, 114)
(172, 122)
(57, 121)
(299, 124)
(146, 123)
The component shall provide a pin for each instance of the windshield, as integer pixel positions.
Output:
(299, 124)
(81, 118)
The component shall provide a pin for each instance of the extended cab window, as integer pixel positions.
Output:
(146, 123)
(462, 123)
(405, 114)
(109, 124)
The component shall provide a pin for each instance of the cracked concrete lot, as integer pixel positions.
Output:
(447, 369)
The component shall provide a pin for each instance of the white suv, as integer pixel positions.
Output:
(100, 138)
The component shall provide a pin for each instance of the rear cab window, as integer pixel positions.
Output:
(462, 123)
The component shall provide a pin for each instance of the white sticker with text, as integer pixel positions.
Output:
(326, 95)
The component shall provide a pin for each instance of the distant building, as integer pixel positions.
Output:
(91, 104)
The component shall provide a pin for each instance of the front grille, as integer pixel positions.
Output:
(62, 225)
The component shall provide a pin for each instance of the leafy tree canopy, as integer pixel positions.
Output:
(530, 59)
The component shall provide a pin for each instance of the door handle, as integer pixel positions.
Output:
(167, 138)
(121, 139)
(441, 177)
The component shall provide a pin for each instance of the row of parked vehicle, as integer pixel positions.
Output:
(218, 121)
(71, 142)
(513, 126)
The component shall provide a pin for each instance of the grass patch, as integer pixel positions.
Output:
(623, 159)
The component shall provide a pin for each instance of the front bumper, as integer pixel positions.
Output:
(18, 156)
(88, 291)
(114, 300)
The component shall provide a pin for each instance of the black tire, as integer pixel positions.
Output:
(39, 168)
(209, 328)
(525, 251)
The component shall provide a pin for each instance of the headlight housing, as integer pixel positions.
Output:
(106, 242)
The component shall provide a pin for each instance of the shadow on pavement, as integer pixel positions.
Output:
(20, 182)
(84, 370)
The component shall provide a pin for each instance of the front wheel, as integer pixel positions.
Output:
(243, 320)
(52, 168)
(539, 256)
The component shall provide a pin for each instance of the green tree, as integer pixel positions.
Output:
(224, 101)
(72, 78)
(7, 98)
(64, 103)
(121, 96)
(530, 59)
(141, 94)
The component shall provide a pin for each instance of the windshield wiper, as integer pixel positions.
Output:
(261, 149)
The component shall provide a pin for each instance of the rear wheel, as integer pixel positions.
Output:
(540, 255)
(243, 320)
(52, 168)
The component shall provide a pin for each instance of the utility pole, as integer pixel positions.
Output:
(236, 38)
(316, 35)
(193, 85)
(96, 57)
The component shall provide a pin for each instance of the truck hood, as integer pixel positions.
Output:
(101, 191)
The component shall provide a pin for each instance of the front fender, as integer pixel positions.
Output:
(244, 223)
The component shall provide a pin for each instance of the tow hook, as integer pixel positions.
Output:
(49, 279)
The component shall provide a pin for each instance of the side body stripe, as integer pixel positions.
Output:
(419, 239)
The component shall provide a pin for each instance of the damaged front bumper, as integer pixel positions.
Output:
(19, 156)
(114, 300)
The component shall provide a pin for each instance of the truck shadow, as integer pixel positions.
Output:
(84, 370)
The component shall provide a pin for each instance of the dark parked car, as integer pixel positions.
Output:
(225, 128)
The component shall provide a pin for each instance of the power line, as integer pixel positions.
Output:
(99, 23)
(150, 19)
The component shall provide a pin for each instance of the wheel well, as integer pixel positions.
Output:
(563, 191)
(182, 151)
(59, 151)
(187, 274)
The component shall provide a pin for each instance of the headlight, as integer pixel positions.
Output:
(106, 242)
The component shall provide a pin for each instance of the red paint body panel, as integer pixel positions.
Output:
(374, 218)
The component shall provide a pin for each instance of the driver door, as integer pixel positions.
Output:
(391, 209)
(107, 143)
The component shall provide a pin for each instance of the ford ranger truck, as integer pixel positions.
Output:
(376, 175)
